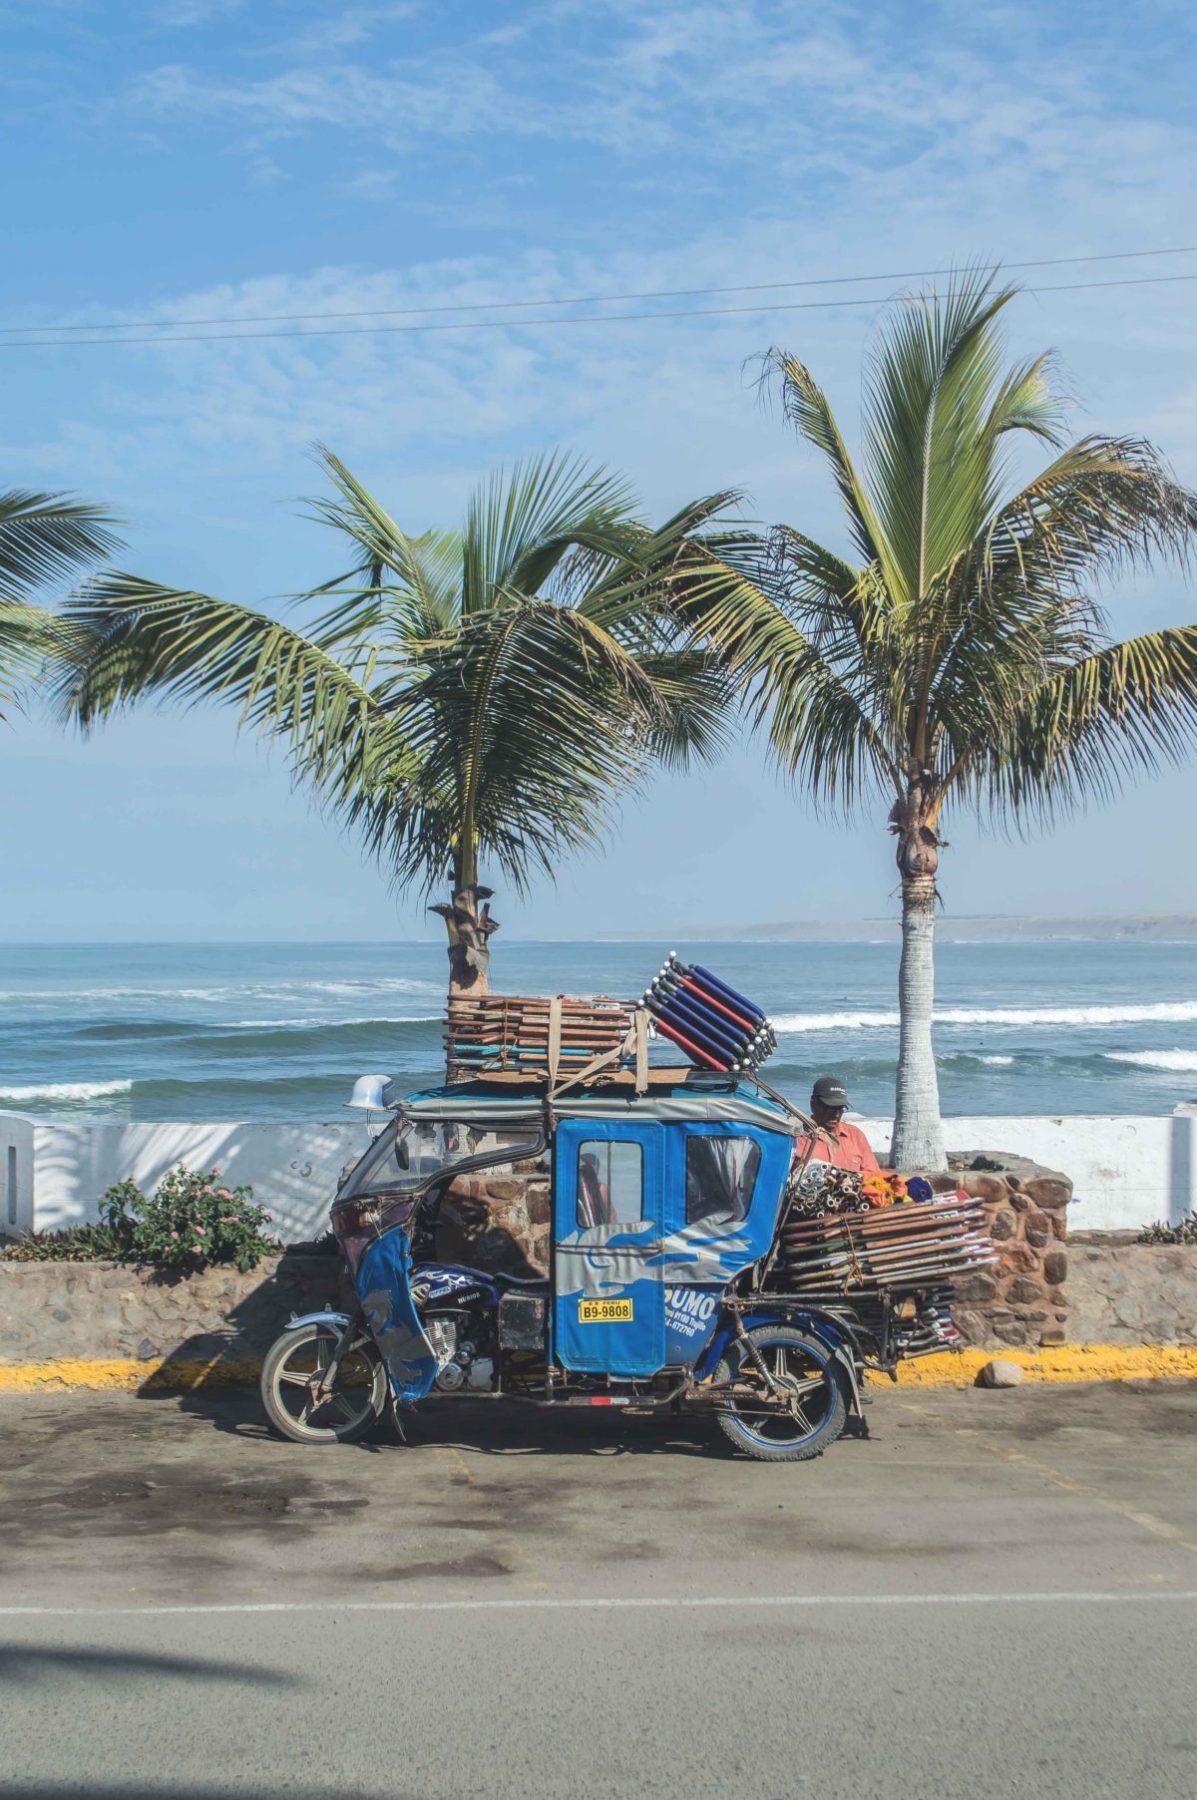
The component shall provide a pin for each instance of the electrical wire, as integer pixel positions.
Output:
(703, 312)
(756, 287)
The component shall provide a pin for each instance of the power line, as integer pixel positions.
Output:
(759, 287)
(704, 312)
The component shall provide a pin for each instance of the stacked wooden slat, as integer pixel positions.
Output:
(910, 1246)
(501, 1033)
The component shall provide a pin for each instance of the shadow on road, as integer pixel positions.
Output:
(27, 1663)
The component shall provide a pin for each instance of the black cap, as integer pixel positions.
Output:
(829, 1090)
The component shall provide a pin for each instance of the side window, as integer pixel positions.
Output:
(610, 1183)
(720, 1176)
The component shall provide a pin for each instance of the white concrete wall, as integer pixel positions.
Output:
(292, 1169)
(1126, 1170)
(16, 1174)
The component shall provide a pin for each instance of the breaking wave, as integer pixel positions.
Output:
(65, 1090)
(1164, 1012)
(1181, 1061)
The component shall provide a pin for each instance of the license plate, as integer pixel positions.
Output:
(604, 1312)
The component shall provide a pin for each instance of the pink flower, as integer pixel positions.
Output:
(197, 1249)
(199, 1231)
(174, 1234)
(215, 1170)
(224, 1193)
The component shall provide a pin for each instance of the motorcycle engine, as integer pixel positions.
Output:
(458, 1362)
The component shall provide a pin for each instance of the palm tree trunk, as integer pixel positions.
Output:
(469, 926)
(918, 1128)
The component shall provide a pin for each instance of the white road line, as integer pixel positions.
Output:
(605, 1603)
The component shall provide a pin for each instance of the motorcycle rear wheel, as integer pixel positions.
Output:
(801, 1368)
(293, 1367)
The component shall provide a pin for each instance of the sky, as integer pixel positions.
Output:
(194, 160)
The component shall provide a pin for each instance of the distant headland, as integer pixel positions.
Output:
(959, 928)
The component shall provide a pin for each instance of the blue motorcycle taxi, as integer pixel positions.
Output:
(663, 1214)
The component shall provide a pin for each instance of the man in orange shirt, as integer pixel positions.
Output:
(845, 1146)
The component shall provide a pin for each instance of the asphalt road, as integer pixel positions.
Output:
(995, 1596)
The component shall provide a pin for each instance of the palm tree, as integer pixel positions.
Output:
(463, 697)
(44, 539)
(957, 656)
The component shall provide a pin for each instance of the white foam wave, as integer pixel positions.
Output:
(998, 1062)
(1164, 1012)
(319, 1023)
(66, 1090)
(242, 990)
(1180, 1061)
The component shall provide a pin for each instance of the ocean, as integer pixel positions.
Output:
(280, 1031)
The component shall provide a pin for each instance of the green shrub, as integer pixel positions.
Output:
(192, 1222)
(1184, 1232)
(75, 1243)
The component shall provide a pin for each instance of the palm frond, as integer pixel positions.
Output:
(138, 638)
(522, 522)
(489, 693)
(930, 387)
(1094, 725)
(807, 408)
(46, 538)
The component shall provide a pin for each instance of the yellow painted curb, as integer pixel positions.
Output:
(1063, 1362)
(1067, 1362)
(151, 1377)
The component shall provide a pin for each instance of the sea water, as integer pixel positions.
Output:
(280, 1031)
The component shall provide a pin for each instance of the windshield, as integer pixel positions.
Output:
(411, 1154)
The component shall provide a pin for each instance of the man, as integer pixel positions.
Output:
(845, 1146)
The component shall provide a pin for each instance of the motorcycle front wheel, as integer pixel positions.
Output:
(291, 1375)
(798, 1413)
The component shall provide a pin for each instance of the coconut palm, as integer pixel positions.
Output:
(44, 539)
(469, 698)
(957, 655)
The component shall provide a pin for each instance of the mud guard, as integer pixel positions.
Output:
(385, 1293)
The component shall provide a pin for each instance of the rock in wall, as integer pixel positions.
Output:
(1022, 1300)
(498, 1220)
(1121, 1292)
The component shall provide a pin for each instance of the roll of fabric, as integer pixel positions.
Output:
(718, 1027)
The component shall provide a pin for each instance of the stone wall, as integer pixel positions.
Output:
(499, 1220)
(1120, 1292)
(72, 1313)
(1023, 1299)
(116, 1313)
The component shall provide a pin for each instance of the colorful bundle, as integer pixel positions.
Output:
(910, 1246)
(532, 1036)
(716, 1027)
(882, 1187)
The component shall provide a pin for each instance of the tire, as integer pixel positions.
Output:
(292, 1364)
(802, 1366)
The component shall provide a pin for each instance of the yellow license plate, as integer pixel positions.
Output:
(604, 1312)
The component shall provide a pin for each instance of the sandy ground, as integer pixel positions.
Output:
(995, 1595)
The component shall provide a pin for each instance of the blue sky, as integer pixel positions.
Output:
(198, 159)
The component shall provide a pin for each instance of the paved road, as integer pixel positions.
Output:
(995, 1596)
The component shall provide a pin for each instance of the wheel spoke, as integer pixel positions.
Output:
(294, 1379)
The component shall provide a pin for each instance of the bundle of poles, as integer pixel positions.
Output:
(716, 1027)
(531, 1035)
(915, 1246)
